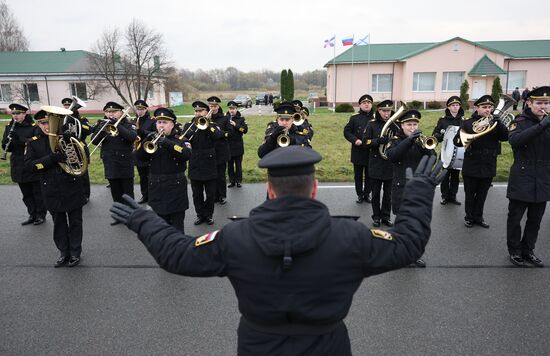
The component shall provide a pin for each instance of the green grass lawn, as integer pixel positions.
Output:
(328, 140)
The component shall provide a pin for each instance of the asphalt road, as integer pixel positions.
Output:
(468, 301)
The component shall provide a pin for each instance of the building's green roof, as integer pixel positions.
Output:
(486, 66)
(395, 52)
(44, 62)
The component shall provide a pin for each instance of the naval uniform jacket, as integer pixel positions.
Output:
(446, 121)
(222, 144)
(236, 143)
(355, 130)
(530, 173)
(202, 163)
(167, 183)
(379, 168)
(404, 153)
(116, 152)
(480, 159)
(296, 138)
(61, 191)
(306, 129)
(293, 267)
(145, 125)
(22, 132)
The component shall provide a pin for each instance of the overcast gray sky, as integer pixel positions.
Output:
(277, 34)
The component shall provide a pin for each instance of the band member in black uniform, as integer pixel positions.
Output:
(453, 117)
(202, 164)
(305, 128)
(284, 127)
(222, 148)
(294, 268)
(380, 169)
(480, 160)
(19, 130)
(85, 130)
(116, 151)
(63, 193)
(405, 150)
(168, 156)
(236, 145)
(529, 182)
(353, 132)
(144, 125)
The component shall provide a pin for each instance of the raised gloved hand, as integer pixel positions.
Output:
(545, 122)
(416, 134)
(122, 212)
(426, 171)
(382, 140)
(162, 141)
(58, 157)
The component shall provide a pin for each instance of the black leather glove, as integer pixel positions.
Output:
(58, 157)
(122, 212)
(278, 130)
(67, 135)
(150, 136)
(382, 140)
(416, 134)
(497, 119)
(427, 172)
(162, 141)
(545, 122)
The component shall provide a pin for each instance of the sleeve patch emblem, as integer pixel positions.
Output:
(206, 238)
(381, 234)
(513, 126)
(39, 166)
(178, 148)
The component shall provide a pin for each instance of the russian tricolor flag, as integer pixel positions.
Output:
(347, 41)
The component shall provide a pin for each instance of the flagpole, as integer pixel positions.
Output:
(351, 81)
(334, 64)
(368, 65)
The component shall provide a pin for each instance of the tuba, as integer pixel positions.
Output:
(76, 127)
(77, 160)
(387, 131)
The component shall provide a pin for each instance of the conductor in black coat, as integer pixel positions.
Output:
(380, 169)
(202, 163)
(529, 182)
(222, 148)
(144, 126)
(480, 160)
(167, 157)
(294, 268)
(453, 117)
(17, 132)
(116, 151)
(354, 132)
(63, 193)
(236, 145)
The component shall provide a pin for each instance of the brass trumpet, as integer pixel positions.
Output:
(298, 119)
(152, 146)
(427, 142)
(283, 140)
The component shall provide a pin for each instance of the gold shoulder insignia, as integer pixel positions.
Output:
(206, 238)
(212, 129)
(86, 127)
(33, 124)
(368, 142)
(34, 138)
(381, 234)
(241, 129)
(178, 148)
(513, 126)
(39, 166)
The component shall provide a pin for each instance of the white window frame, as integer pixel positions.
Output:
(74, 90)
(416, 80)
(27, 95)
(376, 80)
(445, 81)
(511, 84)
(3, 96)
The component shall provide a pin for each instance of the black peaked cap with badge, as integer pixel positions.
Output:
(411, 115)
(305, 110)
(141, 104)
(541, 93)
(66, 101)
(386, 104)
(365, 97)
(485, 100)
(41, 115)
(290, 161)
(199, 105)
(113, 106)
(232, 104)
(164, 114)
(17, 108)
(297, 103)
(454, 100)
(286, 109)
(214, 100)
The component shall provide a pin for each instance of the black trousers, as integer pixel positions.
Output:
(67, 232)
(86, 184)
(525, 244)
(476, 190)
(221, 189)
(362, 182)
(384, 211)
(175, 219)
(449, 184)
(32, 198)
(235, 169)
(121, 186)
(204, 206)
(143, 181)
(396, 195)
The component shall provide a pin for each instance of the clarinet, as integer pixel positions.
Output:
(10, 138)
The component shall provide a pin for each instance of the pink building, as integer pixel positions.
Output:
(46, 77)
(435, 71)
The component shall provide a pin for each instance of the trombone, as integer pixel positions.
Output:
(151, 146)
(110, 129)
(201, 122)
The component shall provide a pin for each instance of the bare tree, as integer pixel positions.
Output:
(132, 63)
(12, 38)
(21, 93)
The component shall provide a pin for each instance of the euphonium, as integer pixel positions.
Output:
(152, 146)
(76, 163)
(427, 142)
(504, 110)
